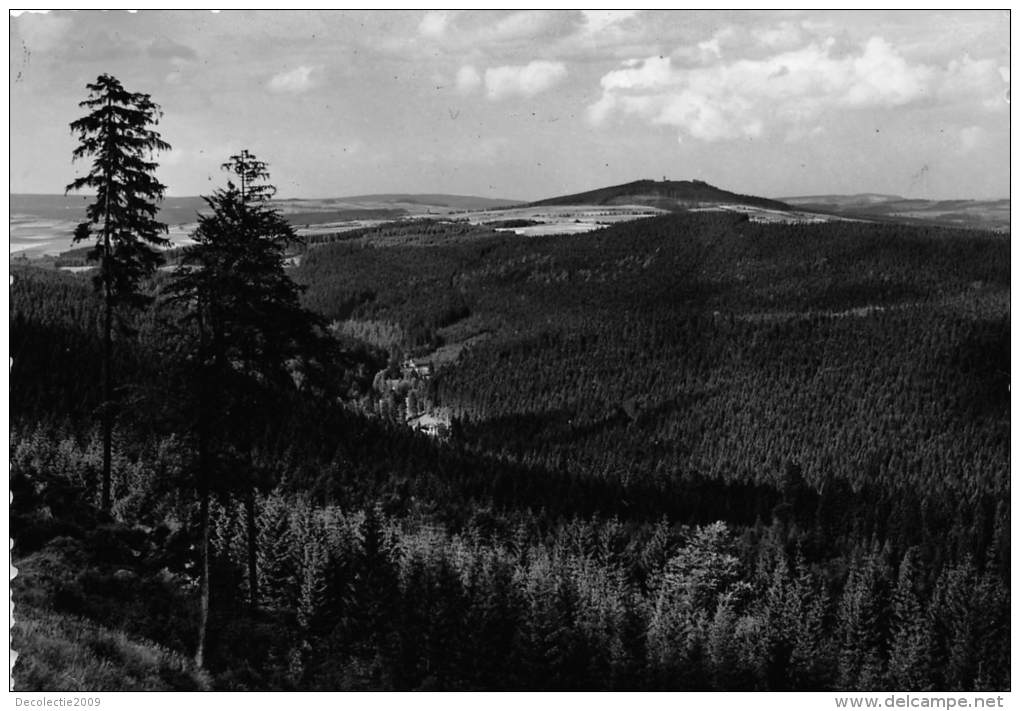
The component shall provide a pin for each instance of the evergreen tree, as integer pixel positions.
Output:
(861, 625)
(812, 657)
(730, 657)
(687, 601)
(117, 134)
(548, 634)
(374, 606)
(992, 633)
(783, 616)
(253, 337)
(953, 618)
(910, 653)
(279, 558)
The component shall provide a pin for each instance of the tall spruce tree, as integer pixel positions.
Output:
(252, 335)
(911, 643)
(117, 135)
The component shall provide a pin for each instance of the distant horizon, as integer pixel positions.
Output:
(570, 191)
(534, 103)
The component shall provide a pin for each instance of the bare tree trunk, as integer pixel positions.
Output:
(107, 341)
(253, 580)
(203, 621)
(206, 403)
(107, 403)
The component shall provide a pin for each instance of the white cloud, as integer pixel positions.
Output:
(785, 35)
(483, 32)
(601, 20)
(743, 98)
(526, 25)
(882, 77)
(295, 81)
(749, 40)
(710, 48)
(651, 73)
(523, 80)
(468, 79)
(968, 78)
(709, 51)
(433, 24)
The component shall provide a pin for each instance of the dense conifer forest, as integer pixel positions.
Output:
(686, 452)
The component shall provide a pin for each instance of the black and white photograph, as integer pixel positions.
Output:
(510, 351)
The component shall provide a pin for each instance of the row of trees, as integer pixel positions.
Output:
(243, 333)
(381, 603)
(357, 598)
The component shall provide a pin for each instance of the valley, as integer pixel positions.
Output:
(555, 415)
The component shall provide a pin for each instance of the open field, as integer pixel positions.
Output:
(43, 224)
(975, 214)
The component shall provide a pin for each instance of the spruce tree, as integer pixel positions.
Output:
(117, 135)
(860, 626)
(953, 618)
(910, 653)
(279, 556)
(251, 335)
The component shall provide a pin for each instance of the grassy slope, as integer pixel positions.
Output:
(59, 652)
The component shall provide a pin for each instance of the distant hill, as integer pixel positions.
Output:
(44, 224)
(855, 200)
(979, 214)
(181, 210)
(667, 194)
(453, 202)
(173, 210)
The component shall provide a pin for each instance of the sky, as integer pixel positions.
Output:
(531, 104)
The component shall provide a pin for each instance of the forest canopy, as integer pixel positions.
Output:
(680, 453)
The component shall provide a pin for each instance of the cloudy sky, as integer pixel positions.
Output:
(526, 105)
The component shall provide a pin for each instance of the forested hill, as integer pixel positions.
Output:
(683, 453)
(734, 346)
(668, 194)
